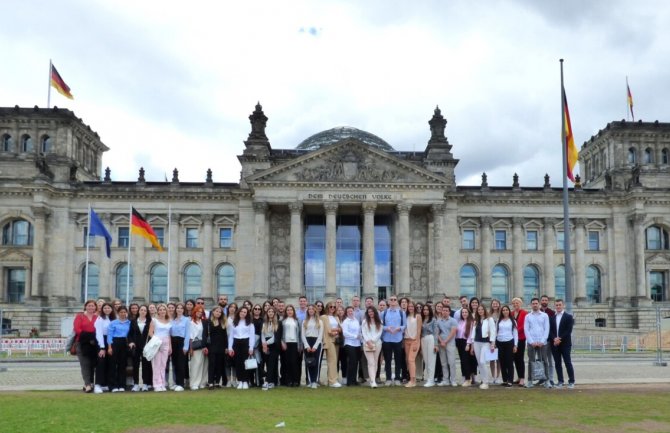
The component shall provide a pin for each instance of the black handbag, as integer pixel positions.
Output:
(197, 344)
(310, 361)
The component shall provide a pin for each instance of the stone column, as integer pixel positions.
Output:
(625, 277)
(579, 265)
(486, 259)
(369, 249)
(40, 212)
(403, 248)
(173, 265)
(439, 249)
(517, 259)
(549, 283)
(261, 252)
(72, 287)
(641, 293)
(207, 291)
(452, 243)
(331, 245)
(296, 259)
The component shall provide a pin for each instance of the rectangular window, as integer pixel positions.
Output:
(531, 240)
(501, 240)
(226, 237)
(594, 241)
(160, 235)
(123, 237)
(468, 239)
(560, 240)
(16, 285)
(90, 239)
(191, 238)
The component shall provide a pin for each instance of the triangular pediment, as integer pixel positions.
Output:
(658, 259)
(349, 161)
(12, 255)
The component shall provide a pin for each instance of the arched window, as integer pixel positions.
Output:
(593, 288)
(632, 156)
(468, 281)
(559, 281)
(7, 145)
(93, 282)
(26, 143)
(158, 283)
(657, 238)
(225, 280)
(500, 283)
(648, 156)
(122, 282)
(46, 144)
(192, 281)
(664, 156)
(531, 282)
(17, 232)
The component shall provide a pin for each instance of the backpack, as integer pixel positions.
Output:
(402, 318)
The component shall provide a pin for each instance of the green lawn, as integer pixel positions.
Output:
(344, 410)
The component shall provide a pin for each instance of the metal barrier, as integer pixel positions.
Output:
(611, 343)
(29, 346)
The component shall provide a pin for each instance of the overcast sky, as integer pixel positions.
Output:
(171, 84)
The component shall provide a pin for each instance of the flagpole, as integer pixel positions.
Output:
(88, 239)
(169, 250)
(566, 210)
(130, 236)
(49, 103)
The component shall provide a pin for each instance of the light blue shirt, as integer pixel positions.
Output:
(393, 317)
(117, 329)
(181, 328)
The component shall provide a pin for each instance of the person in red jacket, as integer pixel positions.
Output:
(86, 345)
(519, 315)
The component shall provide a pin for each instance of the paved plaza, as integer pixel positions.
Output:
(23, 375)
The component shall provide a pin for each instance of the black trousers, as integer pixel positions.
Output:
(392, 351)
(178, 360)
(506, 358)
(352, 364)
(293, 363)
(518, 359)
(216, 372)
(271, 361)
(438, 368)
(466, 362)
(103, 369)
(147, 371)
(241, 348)
(342, 360)
(119, 362)
(313, 371)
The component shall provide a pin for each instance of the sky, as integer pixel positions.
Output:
(171, 84)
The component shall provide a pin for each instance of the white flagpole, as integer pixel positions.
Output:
(88, 238)
(130, 236)
(49, 104)
(169, 250)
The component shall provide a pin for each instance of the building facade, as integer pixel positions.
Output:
(342, 214)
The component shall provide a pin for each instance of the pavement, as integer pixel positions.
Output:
(44, 374)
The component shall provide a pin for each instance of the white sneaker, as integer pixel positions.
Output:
(172, 387)
(336, 385)
(159, 389)
(373, 384)
(454, 384)
(239, 385)
(145, 388)
(397, 383)
(105, 389)
(116, 389)
(429, 384)
(178, 388)
(484, 385)
(194, 388)
(136, 388)
(245, 385)
(97, 389)
(388, 383)
(265, 387)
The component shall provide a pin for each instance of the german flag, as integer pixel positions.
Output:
(58, 83)
(570, 148)
(140, 226)
(629, 97)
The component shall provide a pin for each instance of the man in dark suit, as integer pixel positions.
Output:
(561, 336)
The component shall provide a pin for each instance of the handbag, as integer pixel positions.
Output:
(70, 345)
(339, 340)
(250, 364)
(537, 369)
(197, 344)
(152, 347)
(310, 361)
(367, 348)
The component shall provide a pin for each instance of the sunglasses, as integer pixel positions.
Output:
(393, 299)
(200, 303)
(257, 309)
(332, 306)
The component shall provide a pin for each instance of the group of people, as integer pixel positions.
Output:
(267, 345)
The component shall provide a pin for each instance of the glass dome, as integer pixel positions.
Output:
(331, 136)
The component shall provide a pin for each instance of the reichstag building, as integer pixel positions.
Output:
(342, 213)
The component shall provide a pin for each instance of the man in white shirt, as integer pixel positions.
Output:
(536, 328)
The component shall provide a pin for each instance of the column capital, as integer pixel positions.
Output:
(369, 208)
(486, 221)
(40, 212)
(260, 206)
(518, 221)
(581, 222)
(331, 208)
(438, 208)
(207, 218)
(404, 208)
(295, 207)
(638, 219)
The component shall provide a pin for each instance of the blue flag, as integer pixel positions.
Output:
(97, 229)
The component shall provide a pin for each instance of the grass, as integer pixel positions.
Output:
(345, 410)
